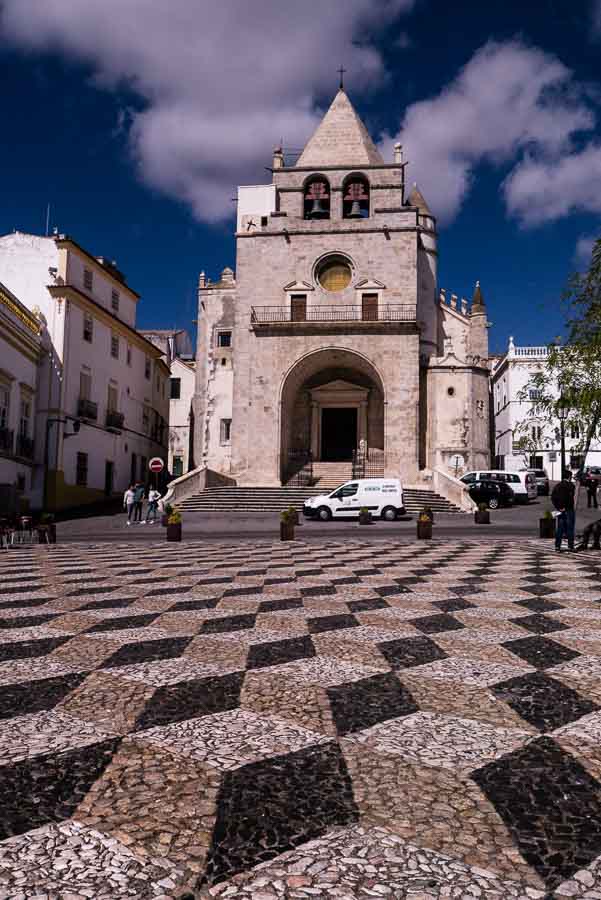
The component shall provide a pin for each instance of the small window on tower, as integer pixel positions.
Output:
(317, 198)
(224, 339)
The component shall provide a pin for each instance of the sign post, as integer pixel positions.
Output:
(156, 466)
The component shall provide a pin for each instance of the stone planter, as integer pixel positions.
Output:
(365, 518)
(286, 531)
(164, 519)
(174, 532)
(482, 517)
(424, 530)
(546, 528)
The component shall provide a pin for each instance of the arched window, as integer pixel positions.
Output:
(317, 198)
(355, 197)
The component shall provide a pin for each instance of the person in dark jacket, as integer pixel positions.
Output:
(591, 491)
(562, 498)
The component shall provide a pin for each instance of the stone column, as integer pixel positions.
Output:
(315, 413)
(362, 423)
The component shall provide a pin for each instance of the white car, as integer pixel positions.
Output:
(383, 497)
(523, 484)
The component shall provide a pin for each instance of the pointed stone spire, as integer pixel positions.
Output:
(341, 139)
(478, 305)
(416, 198)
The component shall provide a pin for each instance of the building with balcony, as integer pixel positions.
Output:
(177, 350)
(522, 440)
(103, 395)
(331, 337)
(23, 353)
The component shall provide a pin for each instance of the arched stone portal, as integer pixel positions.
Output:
(331, 400)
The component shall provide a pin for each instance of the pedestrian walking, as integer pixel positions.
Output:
(153, 505)
(138, 501)
(591, 492)
(562, 498)
(129, 498)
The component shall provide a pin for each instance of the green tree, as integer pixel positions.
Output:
(574, 368)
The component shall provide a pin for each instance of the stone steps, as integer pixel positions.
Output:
(275, 499)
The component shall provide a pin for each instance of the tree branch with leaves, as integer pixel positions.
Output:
(571, 374)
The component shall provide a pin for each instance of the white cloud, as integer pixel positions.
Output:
(539, 191)
(510, 102)
(222, 82)
(584, 249)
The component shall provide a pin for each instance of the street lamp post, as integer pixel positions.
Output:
(563, 411)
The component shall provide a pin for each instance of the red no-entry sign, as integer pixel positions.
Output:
(156, 464)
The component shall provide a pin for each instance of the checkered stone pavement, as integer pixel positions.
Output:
(270, 721)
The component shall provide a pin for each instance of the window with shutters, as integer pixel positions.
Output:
(88, 328)
(81, 471)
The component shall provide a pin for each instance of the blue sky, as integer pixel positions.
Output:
(136, 120)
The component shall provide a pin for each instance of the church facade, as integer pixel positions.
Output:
(331, 338)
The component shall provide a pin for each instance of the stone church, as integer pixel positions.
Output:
(331, 339)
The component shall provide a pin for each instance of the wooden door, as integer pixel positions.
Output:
(369, 307)
(298, 307)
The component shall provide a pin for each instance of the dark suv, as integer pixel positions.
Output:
(493, 493)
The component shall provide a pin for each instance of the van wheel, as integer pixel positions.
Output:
(493, 503)
(389, 514)
(324, 514)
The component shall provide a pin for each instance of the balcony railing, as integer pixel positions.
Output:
(86, 409)
(6, 440)
(24, 446)
(385, 312)
(114, 419)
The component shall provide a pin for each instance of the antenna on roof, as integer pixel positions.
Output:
(341, 71)
(47, 219)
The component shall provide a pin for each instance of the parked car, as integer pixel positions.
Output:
(493, 493)
(383, 497)
(523, 484)
(542, 480)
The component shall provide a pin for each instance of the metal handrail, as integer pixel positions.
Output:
(114, 419)
(87, 409)
(385, 312)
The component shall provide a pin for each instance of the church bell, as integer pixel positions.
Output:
(317, 211)
(355, 212)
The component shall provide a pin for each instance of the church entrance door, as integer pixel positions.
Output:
(338, 433)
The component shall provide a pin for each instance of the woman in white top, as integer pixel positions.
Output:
(153, 505)
(128, 502)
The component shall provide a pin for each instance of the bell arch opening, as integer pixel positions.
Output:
(332, 404)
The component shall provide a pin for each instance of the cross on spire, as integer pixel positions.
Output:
(341, 71)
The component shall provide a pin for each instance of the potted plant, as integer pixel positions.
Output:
(46, 529)
(167, 511)
(287, 522)
(546, 525)
(174, 526)
(365, 517)
(293, 514)
(424, 526)
(427, 511)
(482, 515)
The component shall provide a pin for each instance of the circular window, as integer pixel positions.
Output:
(334, 273)
(451, 391)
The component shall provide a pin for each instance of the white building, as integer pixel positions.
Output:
(181, 416)
(176, 346)
(102, 374)
(522, 440)
(22, 351)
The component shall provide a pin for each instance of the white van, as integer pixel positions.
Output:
(523, 484)
(383, 497)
